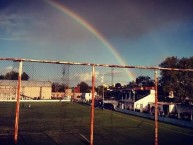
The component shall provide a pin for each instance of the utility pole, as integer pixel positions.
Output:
(102, 81)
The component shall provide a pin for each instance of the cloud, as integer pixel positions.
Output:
(85, 77)
(132, 19)
(100, 77)
(8, 69)
(12, 27)
(14, 24)
(127, 18)
(10, 38)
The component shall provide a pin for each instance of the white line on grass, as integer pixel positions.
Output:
(84, 137)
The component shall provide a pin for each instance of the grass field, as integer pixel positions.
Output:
(62, 123)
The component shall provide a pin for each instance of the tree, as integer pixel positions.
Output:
(144, 81)
(84, 87)
(24, 76)
(56, 87)
(2, 77)
(180, 82)
(118, 85)
(12, 75)
(141, 81)
(132, 85)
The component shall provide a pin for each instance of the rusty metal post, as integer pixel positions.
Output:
(17, 104)
(156, 108)
(92, 106)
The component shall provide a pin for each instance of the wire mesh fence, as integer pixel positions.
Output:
(69, 103)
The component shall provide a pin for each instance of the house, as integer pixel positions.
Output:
(58, 95)
(86, 97)
(126, 104)
(77, 94)
(77, 97)
(164, 108)
(29, 90)
(66, 95)
(140, 105)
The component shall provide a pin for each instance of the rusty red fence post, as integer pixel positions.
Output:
(17, 104)
(156, 108)
(92, 106)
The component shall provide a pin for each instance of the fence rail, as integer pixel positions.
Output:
(25, 79)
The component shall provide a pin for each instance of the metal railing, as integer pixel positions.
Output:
(69, 75)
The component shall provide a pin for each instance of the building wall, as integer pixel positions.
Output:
(36, 92)
(58, 95)
(87, 96)
(143, 103)
(46, 93)
(68, 92)
(8, 90)
(30, 92)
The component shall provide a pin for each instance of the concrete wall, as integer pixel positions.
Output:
(46, 93)
(29, 89)
(178, 122)
(32, 92)
(26, 93)
(7, 92)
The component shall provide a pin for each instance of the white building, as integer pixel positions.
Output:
(87, 96)
(29, 89)
(139, 105)
(142, 104)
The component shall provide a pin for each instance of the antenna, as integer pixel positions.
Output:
(65, 73)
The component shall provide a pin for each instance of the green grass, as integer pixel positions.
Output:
(64, 122)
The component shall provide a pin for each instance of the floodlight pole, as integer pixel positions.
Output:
(103, 97)
(156, 108)
(17, 104)
(92, 106)
(102, 81)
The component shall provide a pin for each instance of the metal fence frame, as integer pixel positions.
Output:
(93, 89)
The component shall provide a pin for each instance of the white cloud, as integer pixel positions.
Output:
(13, 26)
(8, 69)
(85, 77)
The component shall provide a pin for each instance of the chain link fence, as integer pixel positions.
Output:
(65, 101)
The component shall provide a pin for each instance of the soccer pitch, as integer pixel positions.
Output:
(62, 123)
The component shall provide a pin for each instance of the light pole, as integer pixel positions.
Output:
(102, 81)
(103, 97)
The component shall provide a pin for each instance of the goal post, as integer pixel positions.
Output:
(17, 104)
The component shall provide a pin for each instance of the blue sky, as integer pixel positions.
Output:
(143, 32)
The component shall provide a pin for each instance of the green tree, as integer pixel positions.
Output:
(132, 84)
(180, 82)
(144, 81)
(12, 75)
(2, 77)
(118, 85)
(57, 87)
(84, 87)
(24, 76)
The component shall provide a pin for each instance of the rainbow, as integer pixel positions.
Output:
(62, 8)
